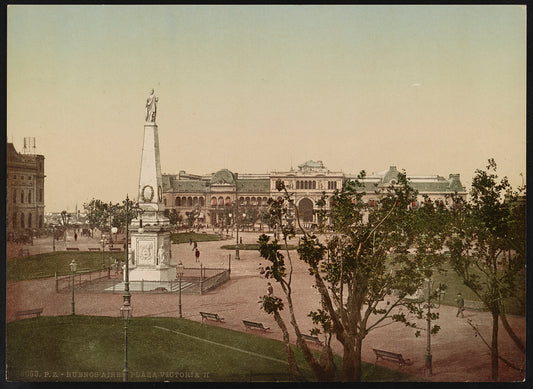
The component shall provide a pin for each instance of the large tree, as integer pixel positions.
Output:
(488, 249)
(363, 268)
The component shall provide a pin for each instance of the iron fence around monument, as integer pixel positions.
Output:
(194, 281)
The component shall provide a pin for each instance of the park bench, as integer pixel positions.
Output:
(94, 248)
(29, 312)
(391, 357)
(211, 316)
(73, 249)
(311, 338)
(475, 305)
(254, 326)
(115, 249)
(24, 252)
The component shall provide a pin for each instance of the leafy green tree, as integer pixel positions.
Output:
(192, 216)
(97, 214)
(363, 269)
(172, 216)
(488, 249)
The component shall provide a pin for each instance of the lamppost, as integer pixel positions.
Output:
(103, 247)
(54, 237)
(180, 275)
(237, 228)
(73, 266)
(428, 368)
(125, 312)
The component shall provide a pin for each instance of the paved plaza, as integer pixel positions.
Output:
(458, 355)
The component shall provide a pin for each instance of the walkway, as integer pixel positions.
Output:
(458, 355)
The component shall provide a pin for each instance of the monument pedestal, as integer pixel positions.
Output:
(150, 256)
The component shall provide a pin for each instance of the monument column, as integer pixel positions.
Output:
(150, 239)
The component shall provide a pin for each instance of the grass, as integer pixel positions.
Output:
(53, 348)
(253, 246)
(186, 237)
(455, 285)
(46, 264)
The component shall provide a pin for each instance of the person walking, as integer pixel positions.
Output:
(270, 289)
(197, 255)
(261, 271)
(460, 305)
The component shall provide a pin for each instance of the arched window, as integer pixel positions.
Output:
(314, 184)
(29, 196)
(189, 201)
(297, 184)
(253, 201)
(259, 201)
(213, 201)
(220, 201)
(202, 201)
(21, 220)
(195, 201)
(228, 201)
(306, 210)
(22, 196)
(177, 202)
(371, 203)
(29, 221)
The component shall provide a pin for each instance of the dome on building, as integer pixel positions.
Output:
(223, 176)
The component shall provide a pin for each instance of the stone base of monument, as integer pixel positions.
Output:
(151, 274)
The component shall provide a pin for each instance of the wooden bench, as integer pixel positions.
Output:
(211, 316)
(36, 312)
(475, 305)
(94, 248)
(311, 338)
(254, 326)
(115, 249)
(73, 249)
(391, 357)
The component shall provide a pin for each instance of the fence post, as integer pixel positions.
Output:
(229, 267)
(201, 280)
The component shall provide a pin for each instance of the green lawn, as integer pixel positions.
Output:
(54, 348)
(455, 285)
(186, 237)
(46, 264)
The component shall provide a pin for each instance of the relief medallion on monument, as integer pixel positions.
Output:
(145, 252)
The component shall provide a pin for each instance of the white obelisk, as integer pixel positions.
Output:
(150, 240)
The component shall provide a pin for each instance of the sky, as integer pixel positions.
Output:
(254, 89)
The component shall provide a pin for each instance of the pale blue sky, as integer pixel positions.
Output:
(430, 89)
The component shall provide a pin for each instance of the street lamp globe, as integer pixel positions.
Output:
(126, 310)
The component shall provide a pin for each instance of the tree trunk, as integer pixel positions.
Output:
(494, 346)
(293, 369)
(326, 360)
(517, 341)
(357, 360)
(348, 361)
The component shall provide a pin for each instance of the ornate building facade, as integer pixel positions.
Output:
(213, 198)
(24, 192)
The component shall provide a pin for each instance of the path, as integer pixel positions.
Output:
(457, 354)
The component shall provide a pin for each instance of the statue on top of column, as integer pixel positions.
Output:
(151, 107)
